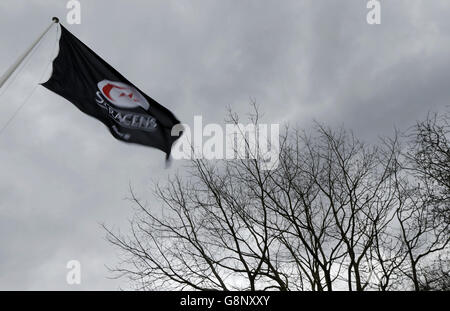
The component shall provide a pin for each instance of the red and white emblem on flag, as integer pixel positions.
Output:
(122, 95)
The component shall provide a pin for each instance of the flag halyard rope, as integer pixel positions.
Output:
(16, 112)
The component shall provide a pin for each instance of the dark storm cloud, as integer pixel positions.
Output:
(62, 174)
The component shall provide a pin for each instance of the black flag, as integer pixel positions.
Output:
(97, 89)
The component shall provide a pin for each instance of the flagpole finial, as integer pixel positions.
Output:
(55, 19)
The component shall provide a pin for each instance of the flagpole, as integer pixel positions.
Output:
(13, 68)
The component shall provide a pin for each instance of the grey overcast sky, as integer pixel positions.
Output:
(61, 172)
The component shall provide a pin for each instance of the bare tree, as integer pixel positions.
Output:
(428, 159)
(436, 276)
(423, 190)
(335, 214)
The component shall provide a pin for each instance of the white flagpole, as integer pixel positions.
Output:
(13, 68)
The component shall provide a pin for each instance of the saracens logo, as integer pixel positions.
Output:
(122, 95)
(116, 98)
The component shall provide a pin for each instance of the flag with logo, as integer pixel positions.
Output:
(97, 89)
